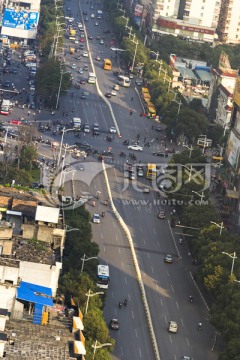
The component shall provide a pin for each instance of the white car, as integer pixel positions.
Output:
(80, 25)
(92, 16)
(101, 42)
(74, 66)
(32, 88)
(80, 71)
(113, 130)
(113, 93)
(96, 23)
(85, 54)
(96, 219)
(135, 147)
(172, 327)
(116, 87)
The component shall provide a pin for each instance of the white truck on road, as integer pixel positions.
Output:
(76, 123)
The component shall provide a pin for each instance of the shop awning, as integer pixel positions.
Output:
(79, 348)
(232, 194)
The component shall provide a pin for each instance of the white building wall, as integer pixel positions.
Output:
(234, 23)
(40, 274)
(7, 296)
(203, 12)
(166, 8)
(8, 273)
(222, 115)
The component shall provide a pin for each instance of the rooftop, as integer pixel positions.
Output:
(32, 251)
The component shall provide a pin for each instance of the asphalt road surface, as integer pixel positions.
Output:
(168, 286)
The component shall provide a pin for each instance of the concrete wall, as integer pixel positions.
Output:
(8, 273)
(2, 322)
(45, 234)
(28, 231)
(40, 274)
(7, 297)
(7, 247)
(6, 233)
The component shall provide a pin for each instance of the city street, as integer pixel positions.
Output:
(168, 285)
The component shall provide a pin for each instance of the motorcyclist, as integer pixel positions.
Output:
(199, 326)
(191, 298)
(120, 304)
(125, 302)
(103, 213)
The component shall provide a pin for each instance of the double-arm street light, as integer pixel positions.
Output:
(135, 52)
(97, 345)
(190, 148)
(200, 195)
(64, 130)
(220, 226)
(89, 294)
(85, 258)
(233, 257)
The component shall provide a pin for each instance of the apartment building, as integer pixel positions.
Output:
(197, 20)
(228, 28)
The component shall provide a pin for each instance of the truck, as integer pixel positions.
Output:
(76, 123)
(5, 107)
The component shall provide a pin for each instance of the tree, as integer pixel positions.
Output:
(48, 80)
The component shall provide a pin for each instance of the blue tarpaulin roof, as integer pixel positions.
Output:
(203, 75)
(35, 294)
(186, 73)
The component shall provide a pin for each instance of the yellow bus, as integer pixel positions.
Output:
(107, 64)
(150, 110)
(151, 171)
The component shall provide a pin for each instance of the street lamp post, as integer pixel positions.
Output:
(220, 226)
(89, 294)
(233, 257)
(201, 195)
(97, 345)
(84, 258)
(59, 87)
(69, 228)
(135, 52)
(64, 130)
(190, 148)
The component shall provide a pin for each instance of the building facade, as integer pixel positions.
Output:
(197, 20)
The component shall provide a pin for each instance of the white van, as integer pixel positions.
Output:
(31, 64)
(99, 12)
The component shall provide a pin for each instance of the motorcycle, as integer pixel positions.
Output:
(122, 154)
(125, 302)
(147, 144)
(120, 304)
(126, 142)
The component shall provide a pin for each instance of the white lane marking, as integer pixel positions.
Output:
(152, 270)
(119, 250)
(140, 228)
(116, 237)
(170, 338)
(102, 235)
(172, 288)
(182, 322)
(187, 342)
(136, 333)
(132, 314)
(177, 305)
(140, 354)
(125, 280)
(154, 231)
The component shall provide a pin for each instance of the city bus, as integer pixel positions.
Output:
(103, 276)
(91, 78)
(151, 171)
(124, 81)
(107, 64)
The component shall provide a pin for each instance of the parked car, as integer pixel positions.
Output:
(135, 147)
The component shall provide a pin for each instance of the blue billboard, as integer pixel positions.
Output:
(22, 20)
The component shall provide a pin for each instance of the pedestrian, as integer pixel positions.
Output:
(132, 98)
(85, 157)
(73, 110)
(39, 111)
(144, 140)
(63, 113)
(152, 127)
(34, 114)
(131, 112)
(29, 113)
(53, 112)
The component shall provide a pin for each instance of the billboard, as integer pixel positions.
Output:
(23, 20)
(22, 24)
(236, 95)
(232, 151)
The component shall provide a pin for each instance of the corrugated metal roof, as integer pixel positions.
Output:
(47, 214)
(187, 73)
(35, 293)
(203, 75)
